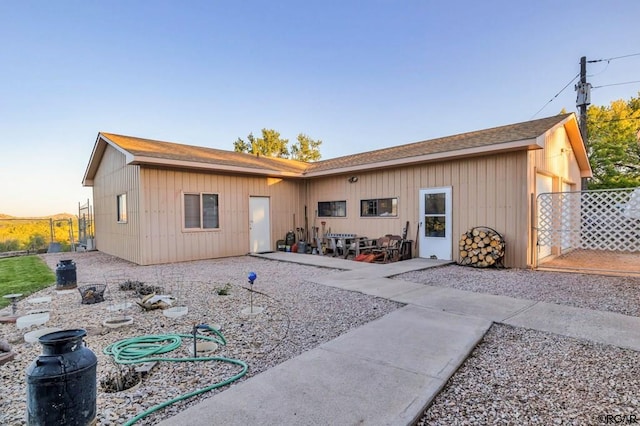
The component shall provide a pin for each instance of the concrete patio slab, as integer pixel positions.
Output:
(488, 306)
(414, 339)
(379, 287)
(597, 326)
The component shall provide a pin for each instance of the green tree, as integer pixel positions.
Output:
(306, 149)
(241, 146)
(269, 145)
(613, 144)
(272, 145)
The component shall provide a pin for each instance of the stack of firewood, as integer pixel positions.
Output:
(481, 247)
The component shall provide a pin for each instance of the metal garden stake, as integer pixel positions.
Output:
(252, 277)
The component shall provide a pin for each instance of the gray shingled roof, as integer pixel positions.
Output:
(139, 147)
(144, 149)
(481, 138)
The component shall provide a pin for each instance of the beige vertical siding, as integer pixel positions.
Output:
(487, 191)
(154, 231)
(113, 178)
(558, 161)
(165, 240)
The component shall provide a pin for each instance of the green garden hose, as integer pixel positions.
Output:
(147, 348)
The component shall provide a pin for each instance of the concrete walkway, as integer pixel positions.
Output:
(387, 371)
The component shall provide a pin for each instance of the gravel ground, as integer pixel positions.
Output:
(520, 376)
(599, 292)
(514, 376)
(298, 316)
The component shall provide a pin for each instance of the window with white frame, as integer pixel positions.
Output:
(379, 207)
(121, 208)
(332, 209)
(201, 211)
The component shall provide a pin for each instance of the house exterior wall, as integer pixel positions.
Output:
(496, 190)
(163, 237)
(487, 191)
(113, 178)
(557, 161)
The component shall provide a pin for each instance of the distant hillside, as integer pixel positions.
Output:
(62, 216)
(35, 233)
(55, 216)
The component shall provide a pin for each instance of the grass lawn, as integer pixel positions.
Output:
(23, 274)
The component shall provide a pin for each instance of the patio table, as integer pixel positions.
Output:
(341, 241)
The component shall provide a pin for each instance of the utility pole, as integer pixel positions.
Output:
(583, 100)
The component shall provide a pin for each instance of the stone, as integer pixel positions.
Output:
(6, 357)
(5, 346)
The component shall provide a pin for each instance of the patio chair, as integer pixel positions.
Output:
(387, 248)
(392, 253)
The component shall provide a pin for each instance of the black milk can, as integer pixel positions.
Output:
(61, 383)
(66, 275)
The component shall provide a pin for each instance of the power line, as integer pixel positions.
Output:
(556, 95)
(595, 87)
(606, 67)
(616, 84)
(613, 59)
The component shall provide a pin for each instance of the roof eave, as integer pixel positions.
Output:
(578, 146)
(94, 162)
(163, 162)
(96, 157)
(520, 145)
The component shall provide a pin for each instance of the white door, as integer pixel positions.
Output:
(259, 225)
(435, 214)
(543, 184)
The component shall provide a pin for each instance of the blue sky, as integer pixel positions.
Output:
(359, 75)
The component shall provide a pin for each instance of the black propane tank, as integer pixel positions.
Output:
(61, 383)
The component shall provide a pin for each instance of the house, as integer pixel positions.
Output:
(159, 202)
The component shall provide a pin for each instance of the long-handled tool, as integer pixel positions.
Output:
(306, 224)
(403, 241)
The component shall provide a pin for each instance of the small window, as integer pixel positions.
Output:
(379, 207)
(435, 219)
(332, 209)
(434, 204)
(201, 211)
(121, 208)
(435, 226)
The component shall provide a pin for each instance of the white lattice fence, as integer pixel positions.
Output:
(591, 220)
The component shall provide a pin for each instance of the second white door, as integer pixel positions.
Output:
(259, 225)
(435, 214)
